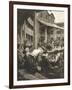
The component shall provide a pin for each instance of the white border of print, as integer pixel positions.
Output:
(47, 81)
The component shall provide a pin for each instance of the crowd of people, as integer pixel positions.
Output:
(43, 60)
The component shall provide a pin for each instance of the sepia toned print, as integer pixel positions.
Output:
(40, 44)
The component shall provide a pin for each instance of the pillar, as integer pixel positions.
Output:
(36, 31)
(45, 34)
